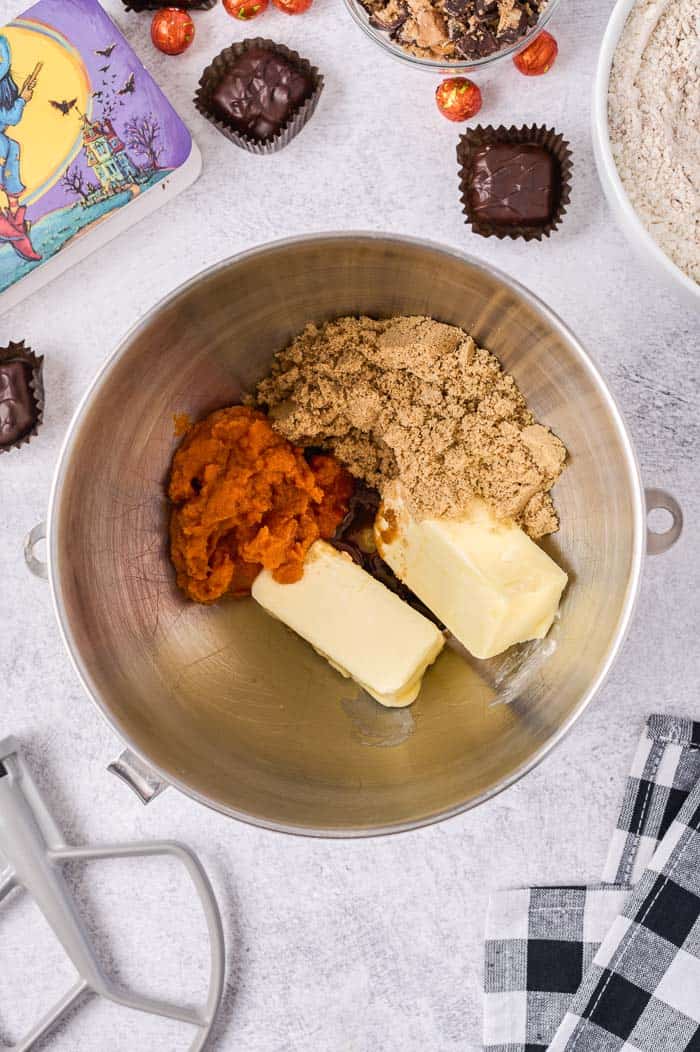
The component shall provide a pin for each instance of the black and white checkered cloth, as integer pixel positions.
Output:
(611, 968)
(666, 767)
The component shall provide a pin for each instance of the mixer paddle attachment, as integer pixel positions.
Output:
(33, 847)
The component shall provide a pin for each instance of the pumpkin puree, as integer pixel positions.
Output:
(246, 498)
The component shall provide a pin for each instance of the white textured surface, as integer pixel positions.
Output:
(372, 945)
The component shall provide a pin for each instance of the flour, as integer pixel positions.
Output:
(654, 114)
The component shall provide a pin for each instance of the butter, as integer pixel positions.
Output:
(486, 580)
(364, 630)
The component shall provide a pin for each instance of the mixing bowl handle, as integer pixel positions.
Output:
(659, 541)
(138, 776)
(37, 566)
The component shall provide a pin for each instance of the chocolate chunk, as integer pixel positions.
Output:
(456, 28)
(513, 184)
(390, 18)
(21, 394)
(259, 92)
(459, 8)
(477, 43)
(516, 28)
(484, 9)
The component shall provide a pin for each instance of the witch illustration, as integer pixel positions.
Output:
(14, 227)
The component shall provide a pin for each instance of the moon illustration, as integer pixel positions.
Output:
(48, 140)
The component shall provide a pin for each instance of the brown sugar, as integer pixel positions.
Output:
(415, 399)
(245, 498)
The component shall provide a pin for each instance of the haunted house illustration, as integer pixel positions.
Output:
(107, 156)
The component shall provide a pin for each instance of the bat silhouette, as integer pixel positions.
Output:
(129, 86)
(63, 107)
(103, 69)
(97, 94)
(105, 52)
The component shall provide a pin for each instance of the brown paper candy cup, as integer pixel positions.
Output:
(10, 398)
(480, 136)
(211, 78)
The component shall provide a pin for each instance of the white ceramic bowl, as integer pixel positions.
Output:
(628, 219)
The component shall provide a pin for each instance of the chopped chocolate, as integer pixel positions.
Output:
(454, 29)
(515, 181)
(477, 43)
(391, 18)
(484, 9)
(21, 395)
(259, 92)
(512, 25)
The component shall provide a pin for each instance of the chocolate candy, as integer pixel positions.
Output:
(391, 19)
(515, 28)
(460, 8)
(21, 395)
(17, 411)
(513, 184)
(478, 42)
(515, 181)
(485, 9)
(259, 92)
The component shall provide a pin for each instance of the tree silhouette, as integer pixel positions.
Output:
(142, 135)
(74, 181)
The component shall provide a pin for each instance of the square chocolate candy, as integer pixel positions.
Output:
(515, 182)
(259, 94)
(260, 91)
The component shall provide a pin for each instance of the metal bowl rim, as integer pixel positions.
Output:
(632, 587)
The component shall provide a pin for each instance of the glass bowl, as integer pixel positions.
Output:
(431, 65)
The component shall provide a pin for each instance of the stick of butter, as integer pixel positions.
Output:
(486, 580)
(364, 630)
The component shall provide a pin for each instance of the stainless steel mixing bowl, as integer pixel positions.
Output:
(227, 704)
